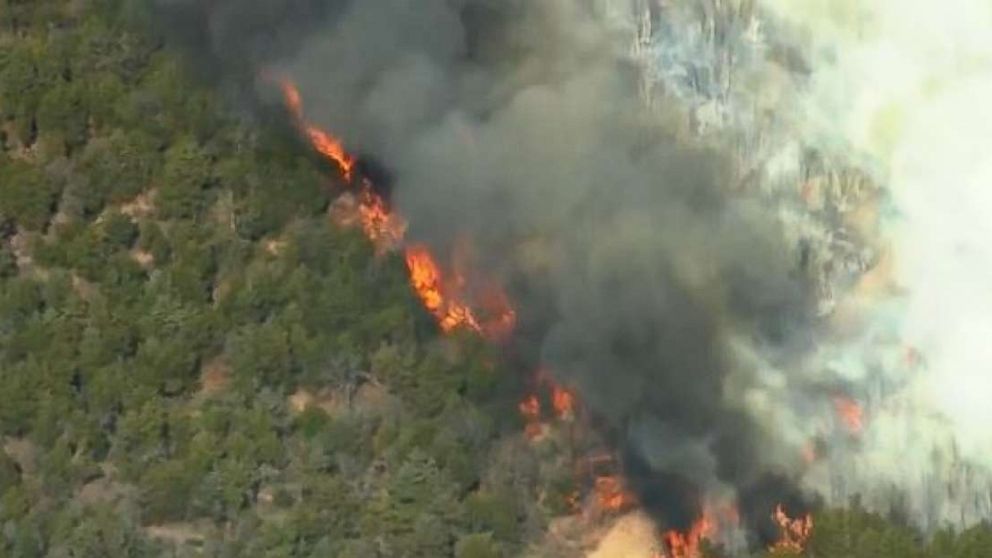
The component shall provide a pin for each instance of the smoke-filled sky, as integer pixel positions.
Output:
(663, 271)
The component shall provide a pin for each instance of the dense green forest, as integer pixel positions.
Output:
(195, 361)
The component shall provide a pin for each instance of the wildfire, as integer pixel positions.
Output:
(530, 410)
(850, 413)
(325, 144)
(563, 402)
(795, 533)
(608, 487)
(441, 294)
(427, 281)
(384, 228)
(612, 495)
(500, 318)
(444, 294)
(689, 544)
(563, 399)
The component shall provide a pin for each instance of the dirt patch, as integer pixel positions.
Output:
(83, 288)
(369, 398)
(142, 205)
(301, 400)
(179, 533)
(275, 246)
(19, 247)
(215, 376)
(23, 452)
(631, 536)
(104, 490)
(15, 149)
(144, 258)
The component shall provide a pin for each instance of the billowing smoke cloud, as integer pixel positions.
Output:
(903, 87)
(655, 271)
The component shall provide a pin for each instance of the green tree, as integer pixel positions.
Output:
(112, 169)
(8, 263)
(10, 473)
(62, 111)
(185, 177)
(120, 231)
(478, 545)
(167, 489)
(260, 354)
(27, 197)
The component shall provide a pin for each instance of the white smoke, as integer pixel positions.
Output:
(902, 88)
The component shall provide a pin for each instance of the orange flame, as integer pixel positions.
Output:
(689, 544)
(441, 295)
(500, 317)
(795, 533)
(294, 101)
(612, 494)
(325, 144)
(563, 402)
(530, 410)
(384, 228)
(850, 413)
(563, 399)
(425, 275)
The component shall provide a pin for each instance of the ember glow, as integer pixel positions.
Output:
(851, 414)
(384, 228)
(563, 402)
(612, 495)
(530, 411)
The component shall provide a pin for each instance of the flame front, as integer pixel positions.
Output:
(715, 520)
(794, 533)
(325, 144)
(612, 495)
(689, 544)
(443, 295)
(427, 281)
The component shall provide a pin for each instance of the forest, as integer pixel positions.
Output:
(196, 361)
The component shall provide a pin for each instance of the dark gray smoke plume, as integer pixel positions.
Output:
(640, 273)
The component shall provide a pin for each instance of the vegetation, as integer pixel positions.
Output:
(195, 361)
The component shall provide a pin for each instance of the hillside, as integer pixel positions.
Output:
(195, 360)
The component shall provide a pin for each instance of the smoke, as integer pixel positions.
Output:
(660, 272)
(903, 87)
